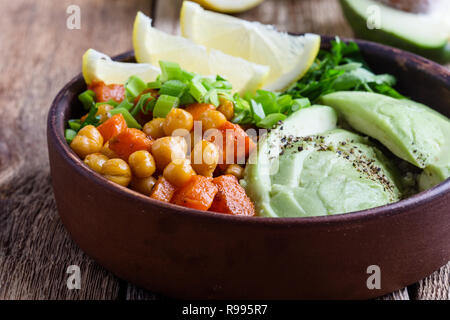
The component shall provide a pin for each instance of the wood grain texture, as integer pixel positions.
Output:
(42, 55)
(436, 286)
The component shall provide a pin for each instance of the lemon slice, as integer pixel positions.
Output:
(288, 56)
(151, 46)
(227, 6)
(98, 66)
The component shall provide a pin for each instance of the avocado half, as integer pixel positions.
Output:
(306, 167)
(409, 31)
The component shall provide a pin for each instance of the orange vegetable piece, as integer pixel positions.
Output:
(198, 193)
(163, 190)
(235, 140)
(129, 141)
(112, 127)
(197, 109)
(231, 197)
(104, 93)
(84, 117)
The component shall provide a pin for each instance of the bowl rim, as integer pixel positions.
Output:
(55, 122)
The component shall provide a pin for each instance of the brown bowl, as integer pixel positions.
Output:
(187, 253)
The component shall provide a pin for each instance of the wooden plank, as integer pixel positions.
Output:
(319, 16)
(436, 286)
(136, 293)
(42, 55)
(398, 295)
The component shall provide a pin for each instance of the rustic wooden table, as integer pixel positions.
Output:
(39, 55)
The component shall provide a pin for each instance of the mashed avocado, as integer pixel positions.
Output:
(303, 168)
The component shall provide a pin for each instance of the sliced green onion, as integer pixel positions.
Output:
(257, 111)
(239, 117)
(134, 86)
(155, 84)
(174, 88)
(170, 71)
(271, 120)
(198, 91)
(70, 134)
(125, 104)
(146, 108)
(164, 104)
(187, 76)
(268, 101)
(87, 99)
(75, 124)
(186, 98)
(212, 97)
(284, 103)
(109, 102)
(222, 84)
(91, 118)
(300, 104)
(207, 83)
(141, 103)
(130, 120)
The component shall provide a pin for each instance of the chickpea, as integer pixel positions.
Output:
(236, 170)
(204, 158)
(178, 119)
(143, 185)
(117, 171)
(103, 112)
(154, 128)
(212, 119)
(227, 108)
(168, 149)
(179, 173)
(106, 150)
(87, 141)
(95, 161)
(142, 163)
(195, 137)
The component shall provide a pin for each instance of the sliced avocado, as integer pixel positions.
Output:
(439, 170)
(320, 170)
(417, 33)
(403, 126)
(433, 175)
(261, 164)
(410, 130)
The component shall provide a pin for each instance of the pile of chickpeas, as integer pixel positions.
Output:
(168, 155)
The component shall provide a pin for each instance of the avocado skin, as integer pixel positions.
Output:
(359, 26)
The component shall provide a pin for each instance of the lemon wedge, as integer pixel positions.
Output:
(288, 56)
(152, 45)
(227, 6)
(98, 66)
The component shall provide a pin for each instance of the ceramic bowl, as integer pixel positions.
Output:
(185, 253)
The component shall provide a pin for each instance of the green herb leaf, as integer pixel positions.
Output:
(87, 99)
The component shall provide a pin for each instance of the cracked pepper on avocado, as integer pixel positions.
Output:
(205, 122)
